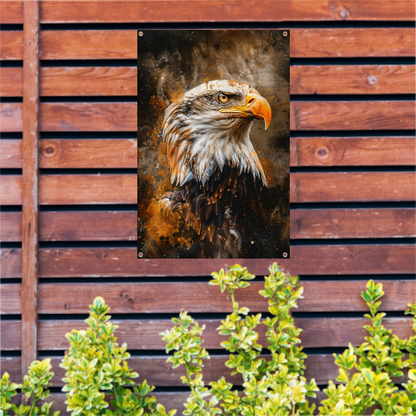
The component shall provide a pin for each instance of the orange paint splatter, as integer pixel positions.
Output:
(268, 167)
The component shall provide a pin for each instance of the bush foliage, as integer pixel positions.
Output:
(98, 380)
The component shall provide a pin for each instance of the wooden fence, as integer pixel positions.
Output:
(68, 144)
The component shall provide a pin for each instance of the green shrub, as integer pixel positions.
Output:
(98, 380)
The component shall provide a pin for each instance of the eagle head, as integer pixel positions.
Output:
(209, 129)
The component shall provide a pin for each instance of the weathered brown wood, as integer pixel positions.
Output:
(30, 183)
(11, 12)
(84, 153)
(11, 189)
(11, 117)
(11, 263)
(352, 223)
(362, 186)
(352, 79)
(88, 226)
(352, 151)
(352, 115)
(88, 189)
(11, 295)
(240, 11)
(144, 334)
(10, 153)
(12, 365)
(74, 81)
(11, 48)
(88, 117)
(11, 81)
(357, 42)
(319, 296)
(11, 226)
(316, 260)
(305, 223)
(11, 336)
(324, 43)
(88, 44)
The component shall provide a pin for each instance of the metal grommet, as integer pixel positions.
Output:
(284, 33)
(140, 254)
(285, 254)
(140, 33)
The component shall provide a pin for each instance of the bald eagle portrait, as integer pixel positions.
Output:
(220, 188)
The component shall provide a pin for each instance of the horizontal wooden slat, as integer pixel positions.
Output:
(352, 151)
(11, 47)
(10, 153)
(352, 115)
(305, 151)
(11, 12)
(88, 44)
(87, 81)
(88, 117)
(11, 335)
(351, 186)
(11, 117)
(320, 296)
(11, 190)
(234, 10)
(324, 43)
(11, 262)
(87, 189)
(84, 153)
(304, 187)
(352, 223)
(144, 334)
(11, 299)
(352, 79)
(357, 42)
(316, 260)
(304, 224)
(11, 81)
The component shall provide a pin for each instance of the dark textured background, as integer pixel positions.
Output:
(171, 62)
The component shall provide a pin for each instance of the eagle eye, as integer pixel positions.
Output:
(223, 98)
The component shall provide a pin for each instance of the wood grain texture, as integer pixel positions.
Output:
(11, 117)
(88, 117)
(11, 81)
(88, 81)
(311, 43)
(11, 48)
(352, 79)
(304, 224)
(88, 226)
(11, 190)
(11, 153)
(352, 223)
(88, 44)
(238, 11)
(88, 189)
(352, 115)
(351, 186)
(11, 12)
(10, 226)
(11, 263)
(144, 334)
(30, 181)
(352, 151)
(317, 260)
(11, 336)
(11, 299)
(85, 153)
(357, 42)
(199, 297)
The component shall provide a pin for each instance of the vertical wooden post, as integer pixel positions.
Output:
(30, 182)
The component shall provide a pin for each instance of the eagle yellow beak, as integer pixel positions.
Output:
(256, 106)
